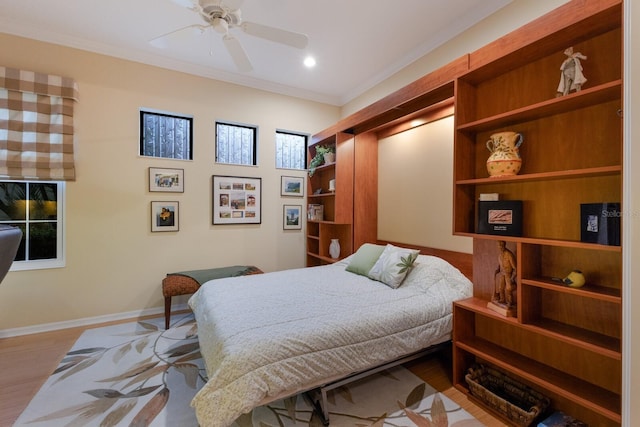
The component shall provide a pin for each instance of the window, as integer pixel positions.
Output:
(236, 144)
(291, 150)
(166, 135)
(35, 207)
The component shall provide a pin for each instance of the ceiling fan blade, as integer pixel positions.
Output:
(237, 53)
(232, 4)
(189, 4)
(175, 36)
(277, 35)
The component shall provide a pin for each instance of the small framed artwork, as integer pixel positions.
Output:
(165, 216)
(166, 180)
(291, 217)
(292, 186)
(236, 200)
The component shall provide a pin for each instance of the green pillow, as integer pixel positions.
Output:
(365, 258)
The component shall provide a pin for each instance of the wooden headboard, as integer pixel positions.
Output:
(462, 261)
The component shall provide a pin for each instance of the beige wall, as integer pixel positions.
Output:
(114, 263)
(507, 19)
(415, 188)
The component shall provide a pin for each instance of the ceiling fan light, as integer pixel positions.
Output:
(220, 25)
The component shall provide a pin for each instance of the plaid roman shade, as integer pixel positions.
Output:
(36, 125)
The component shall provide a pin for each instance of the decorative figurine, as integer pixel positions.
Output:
(571, 77)
(503, 300)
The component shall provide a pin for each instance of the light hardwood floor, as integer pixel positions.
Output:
(27, 361)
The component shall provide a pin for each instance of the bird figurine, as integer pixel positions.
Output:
(575, 279)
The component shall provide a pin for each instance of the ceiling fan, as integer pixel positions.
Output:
(224, 15)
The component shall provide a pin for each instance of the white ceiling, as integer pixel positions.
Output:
(357, 43)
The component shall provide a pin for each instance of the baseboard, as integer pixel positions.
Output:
(87, 321)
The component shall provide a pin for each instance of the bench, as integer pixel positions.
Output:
(188, 282)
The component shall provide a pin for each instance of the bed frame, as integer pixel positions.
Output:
(463, 262)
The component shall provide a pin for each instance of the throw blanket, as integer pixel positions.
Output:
(276, 334)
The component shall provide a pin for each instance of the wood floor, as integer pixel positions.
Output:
(27, 361)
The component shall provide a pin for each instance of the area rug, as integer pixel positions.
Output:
(138, 374)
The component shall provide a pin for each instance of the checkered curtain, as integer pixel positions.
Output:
(36, 125)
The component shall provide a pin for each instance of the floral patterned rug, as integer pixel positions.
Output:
(138, 374)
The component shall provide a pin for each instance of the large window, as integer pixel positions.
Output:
(291, 150)
(165, 135)
(236, 144)
(36, 207)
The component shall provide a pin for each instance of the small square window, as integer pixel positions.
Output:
(291, 150)
(236, 144)
(168, 136)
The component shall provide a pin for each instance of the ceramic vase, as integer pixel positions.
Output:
(505, 157)
(334, 248)
(329, 158)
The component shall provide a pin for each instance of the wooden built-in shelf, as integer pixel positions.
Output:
(606, 92)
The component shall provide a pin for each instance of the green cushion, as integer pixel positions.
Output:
(365, 258)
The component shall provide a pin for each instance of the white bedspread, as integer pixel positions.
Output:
(271, 335)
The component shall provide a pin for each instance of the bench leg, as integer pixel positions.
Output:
(167, 311)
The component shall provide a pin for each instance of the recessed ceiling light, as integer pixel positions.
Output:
(309, 62)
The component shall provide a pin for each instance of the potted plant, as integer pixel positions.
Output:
(325, 154)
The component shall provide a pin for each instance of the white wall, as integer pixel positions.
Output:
(114, 263)
(415, 188)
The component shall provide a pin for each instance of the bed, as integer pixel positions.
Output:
(275, 335)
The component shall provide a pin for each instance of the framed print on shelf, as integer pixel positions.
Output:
(165, 216)
(236, 200)
(292, 186)
(166, 180)
(292, 217)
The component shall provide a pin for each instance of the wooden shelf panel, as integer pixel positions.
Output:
(606, 346)
(543, 241)
(325, 259)
(555, 175)
(557, 382)
(602, 293)
(587, 97)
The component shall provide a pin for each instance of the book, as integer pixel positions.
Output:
(502, 218)
(489, 197)
(600, 223)
(560, 419)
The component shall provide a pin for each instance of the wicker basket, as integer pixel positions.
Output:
(515, 401)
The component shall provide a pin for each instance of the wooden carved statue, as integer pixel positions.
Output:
(505, 277)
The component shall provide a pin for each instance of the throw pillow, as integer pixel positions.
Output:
(364, 258)
(393, 265)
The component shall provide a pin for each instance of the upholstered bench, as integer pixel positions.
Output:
(187, 282)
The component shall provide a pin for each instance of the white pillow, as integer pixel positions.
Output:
(393, 265)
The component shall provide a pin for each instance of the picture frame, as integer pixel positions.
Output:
(236, 200)
(292, 186)
(166, 180)
(165, 216)
(292, 217)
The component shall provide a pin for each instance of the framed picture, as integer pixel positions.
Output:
(165, 216)
(292, 186)
(292, 217)
(236, 200)
(166, 180)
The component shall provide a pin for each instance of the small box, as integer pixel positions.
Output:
(501, 218)
(600, 223)
(560, 419)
